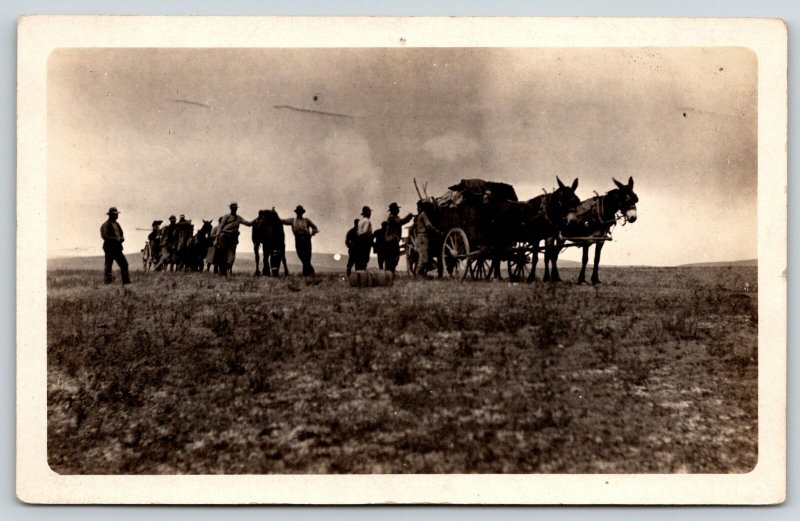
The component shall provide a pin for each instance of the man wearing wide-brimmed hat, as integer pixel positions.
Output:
(364, 240)
(228, 238)
(169, 244)
(154, 242)
(112, 235)
(394, 231)
(303, 229)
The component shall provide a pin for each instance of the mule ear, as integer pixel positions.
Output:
(575, 184)
(560, 184)
(630, 182)
(619, 185)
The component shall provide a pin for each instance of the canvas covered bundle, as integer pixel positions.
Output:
(475, 190)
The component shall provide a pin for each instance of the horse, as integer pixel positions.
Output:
(194, 254)
(596, 217)
(532, 221)
(268, 234)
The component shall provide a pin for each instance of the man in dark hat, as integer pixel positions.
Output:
(228, 238)
(303, 229)
(350, 241)
(111, 232)
(394, 230)
(364, 240)
(169, 243)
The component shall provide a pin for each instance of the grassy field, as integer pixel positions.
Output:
(654, 371)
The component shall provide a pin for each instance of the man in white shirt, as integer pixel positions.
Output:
(303, 229)
(364, 239)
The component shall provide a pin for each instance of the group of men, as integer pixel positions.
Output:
(166, 242)
(361, 240)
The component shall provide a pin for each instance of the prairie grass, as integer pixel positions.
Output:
(655, 371)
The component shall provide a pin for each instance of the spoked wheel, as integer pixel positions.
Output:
(520, 260)
(480, 268)
(455, 253)
(412, 253)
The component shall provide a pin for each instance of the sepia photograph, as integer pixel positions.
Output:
(406, 259)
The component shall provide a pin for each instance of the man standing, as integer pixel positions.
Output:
(154, 241)
(422, 227)
(111, 232)
(228, 238)
(364, 240)
(394, 231)
(350, 242)
(211, 257)
(169, 243)
(380, 238)
(303, 229)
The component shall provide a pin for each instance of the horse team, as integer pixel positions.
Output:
(499, 224)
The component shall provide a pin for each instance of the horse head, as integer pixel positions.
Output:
(563, 204)
(625, 199)
(206, 228)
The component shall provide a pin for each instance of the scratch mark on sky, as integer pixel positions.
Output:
(190, 102)
(311, 111)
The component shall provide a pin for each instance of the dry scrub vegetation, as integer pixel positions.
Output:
(655, 371)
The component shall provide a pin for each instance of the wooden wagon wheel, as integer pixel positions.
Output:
(480, 268)
(520, 261)
(412, 253)
(455, 253)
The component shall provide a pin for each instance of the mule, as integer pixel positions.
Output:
(539, 219)
(596, 217)
(268, 235)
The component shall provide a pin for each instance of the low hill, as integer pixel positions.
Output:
(327, 263)
(245, 261)
(722, 264)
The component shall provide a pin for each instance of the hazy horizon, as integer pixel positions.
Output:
(156, 132)
(134, 259)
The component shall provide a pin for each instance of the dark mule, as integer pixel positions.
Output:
(596, 216)
(532, 221)
(197, 248)
(268, 234)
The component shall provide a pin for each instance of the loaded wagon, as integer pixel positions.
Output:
(466, 215)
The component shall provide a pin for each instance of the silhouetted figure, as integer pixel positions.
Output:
(112, 235)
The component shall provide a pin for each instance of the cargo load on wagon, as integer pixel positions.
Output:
(475, 191)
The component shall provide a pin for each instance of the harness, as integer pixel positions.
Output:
(599, 199)
(543, 209)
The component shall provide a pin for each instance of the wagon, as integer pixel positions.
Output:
(465, 217)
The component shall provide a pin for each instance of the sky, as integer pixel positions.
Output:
(156, 132)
